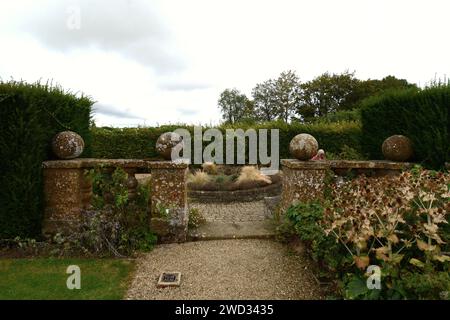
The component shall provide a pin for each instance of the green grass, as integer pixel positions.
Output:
(46, 278)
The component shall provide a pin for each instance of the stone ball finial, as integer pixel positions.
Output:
(303, 146)
(397, 148)
(167, 142)
(67, 145)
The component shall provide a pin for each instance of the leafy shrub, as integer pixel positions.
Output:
(304, 221)
(346, 153)
(117, 225)
(423, 116)
(221, 179)
(30, 115)
(126, 143)
(196, 219)
(344, 115)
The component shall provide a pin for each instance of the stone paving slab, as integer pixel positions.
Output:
(233, 212)
(213, 230)
(236, 220)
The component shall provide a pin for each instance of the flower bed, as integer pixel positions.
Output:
(399, 224)
(245, 183)
(253, 194)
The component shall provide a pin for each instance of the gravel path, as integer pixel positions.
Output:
(232, 212)
(225, 269)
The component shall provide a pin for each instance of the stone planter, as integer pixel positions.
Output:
(254, 194)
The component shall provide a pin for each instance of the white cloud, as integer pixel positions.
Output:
(168, 61)
(131, 28)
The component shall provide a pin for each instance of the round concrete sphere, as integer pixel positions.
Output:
(397, 148)
(166, 142)
(67, 145)
(303, 146)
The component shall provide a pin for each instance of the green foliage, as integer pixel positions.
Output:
(305, 217)
(346, 153)
(430, 285)
(422, 116)
(286, 98)
(277, 99)
(30, 115)
(220, 179)
(374, 87)
(303, 220)
(138, 143)
(196, 219)
(287, 95)
(339, 116)
(117, 225)
(327, 94)
(356, 288)
(235, 106)
(161, 211)
(127, 143)
(264, 101)
(42, 279)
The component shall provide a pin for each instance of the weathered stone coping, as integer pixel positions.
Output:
(123, 163)
(306, 180)
(244, 195)
(345, 164)
(297, 164)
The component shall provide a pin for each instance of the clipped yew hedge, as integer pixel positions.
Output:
(423, 116)
(140, 142)
(30, 115)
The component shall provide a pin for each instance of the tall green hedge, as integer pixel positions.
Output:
(140, 142)
(30, 115)
(423, 116)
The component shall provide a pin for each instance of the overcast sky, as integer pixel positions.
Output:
(157, 62)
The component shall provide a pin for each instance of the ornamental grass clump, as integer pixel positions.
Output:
(198, 178)
(210, 168)
(249, 173)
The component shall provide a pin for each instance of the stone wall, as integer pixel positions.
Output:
(248, 195)
(305, 181)
(68, 194)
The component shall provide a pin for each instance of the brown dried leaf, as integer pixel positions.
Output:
(393, 238)
(361, 262)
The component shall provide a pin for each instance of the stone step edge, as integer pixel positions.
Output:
(193, 238)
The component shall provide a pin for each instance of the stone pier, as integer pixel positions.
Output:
(68, 194)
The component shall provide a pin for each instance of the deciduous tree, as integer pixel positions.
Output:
(235, 106)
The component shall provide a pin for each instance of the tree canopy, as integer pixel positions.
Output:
(286, 98)
(235, 106)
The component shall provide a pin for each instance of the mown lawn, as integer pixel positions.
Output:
(46, 278)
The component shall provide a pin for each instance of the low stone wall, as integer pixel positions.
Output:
(305, 181)
(68, 194)
(254, 194)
